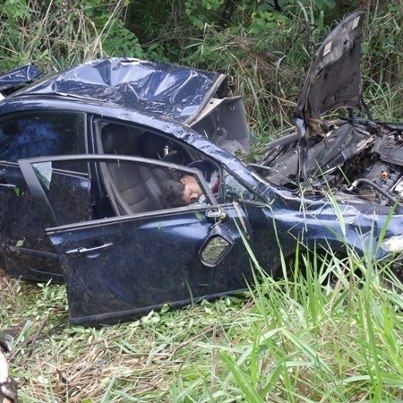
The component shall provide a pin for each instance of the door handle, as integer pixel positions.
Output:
(89, 250)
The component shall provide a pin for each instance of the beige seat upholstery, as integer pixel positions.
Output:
(132, 187)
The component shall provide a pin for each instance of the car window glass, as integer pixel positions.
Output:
(68, 191)
(124, 188)
(136, 187)
(116, 138)
(233, 190)
(38, 134)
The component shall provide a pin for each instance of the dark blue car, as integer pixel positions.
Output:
(88, 157)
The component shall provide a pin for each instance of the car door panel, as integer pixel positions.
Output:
(26, 133)
(117, 268)
(26, 249)
(150, 261)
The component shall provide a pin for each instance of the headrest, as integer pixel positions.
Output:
(114, 138)
(151, 145)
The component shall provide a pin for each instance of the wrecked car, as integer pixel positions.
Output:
(86, 156)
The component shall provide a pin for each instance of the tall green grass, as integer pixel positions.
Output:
(58, 34)
(313, 343)
(265, 51)
(297, 339)
(302, 338)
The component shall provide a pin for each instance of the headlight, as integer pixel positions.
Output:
(393, 243)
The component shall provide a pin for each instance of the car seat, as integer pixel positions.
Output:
(131, 185)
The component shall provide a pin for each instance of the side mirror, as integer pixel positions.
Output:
(216, 246)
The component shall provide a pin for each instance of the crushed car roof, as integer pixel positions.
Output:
(159, 88)
(12, 80)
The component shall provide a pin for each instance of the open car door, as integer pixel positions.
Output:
(141, 255)
(25, 247)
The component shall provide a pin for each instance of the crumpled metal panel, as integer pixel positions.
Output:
(334, 78)
(157, 88)
(16, 78)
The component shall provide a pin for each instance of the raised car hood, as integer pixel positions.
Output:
(334, 78)
(157, 88)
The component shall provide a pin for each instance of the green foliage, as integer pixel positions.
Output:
(383, 61)
(200, 12)
(58, 33)
(117, 40)
(331, 333)
(293, 340)
(265, 46)
(265, 21)
(15, 9)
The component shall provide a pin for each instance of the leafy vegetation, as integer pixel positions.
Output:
(293, 340)
(298, 339)
(56, 34)
(265, 46)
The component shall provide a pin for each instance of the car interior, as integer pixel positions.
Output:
(137, 188)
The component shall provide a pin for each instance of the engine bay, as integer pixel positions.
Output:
(355, 157)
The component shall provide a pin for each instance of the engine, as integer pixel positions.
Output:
(360, 158)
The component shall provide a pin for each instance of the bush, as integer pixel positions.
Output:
(265, 46)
